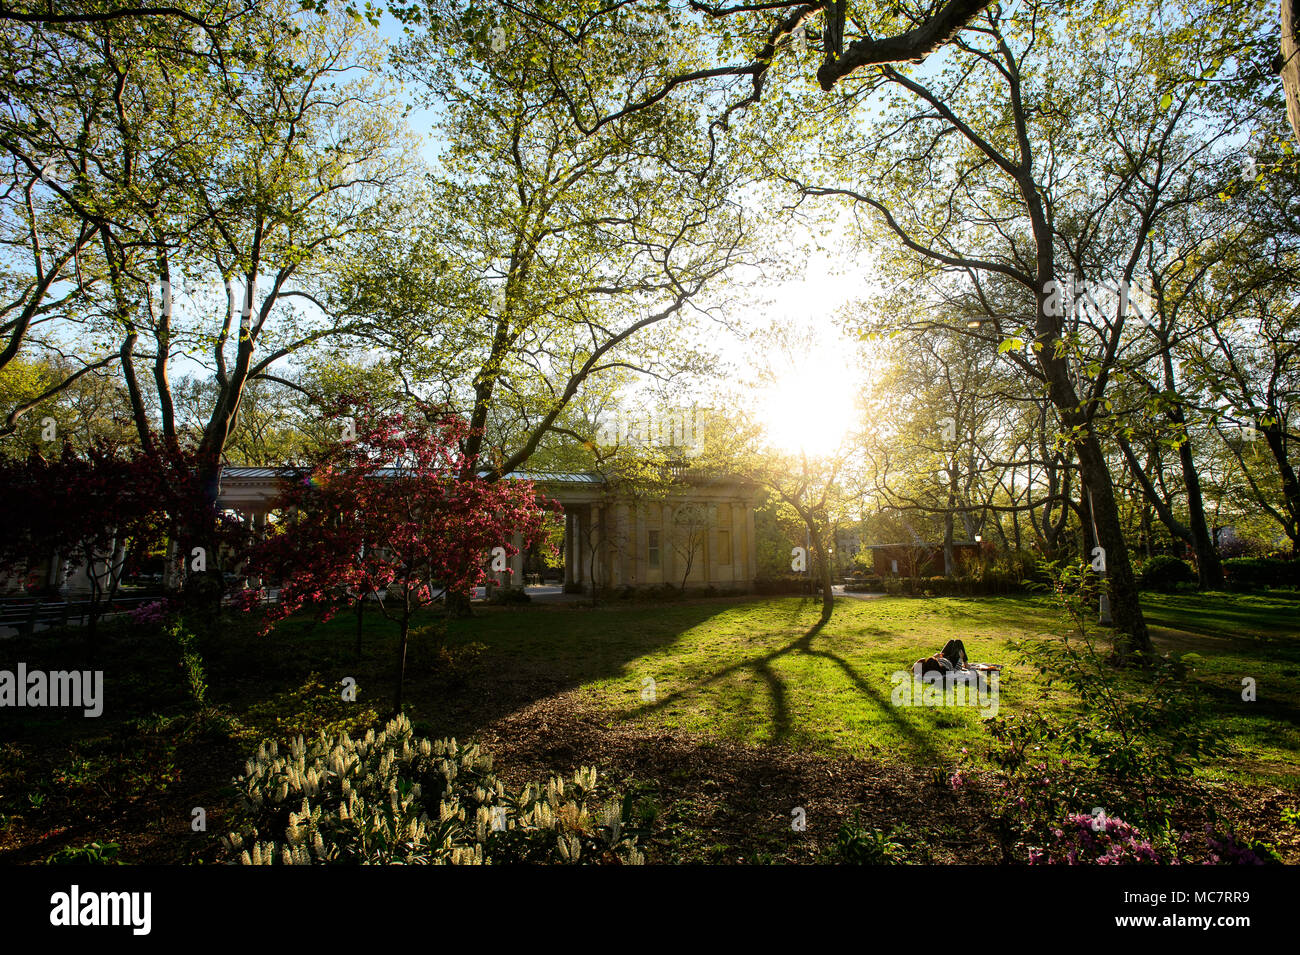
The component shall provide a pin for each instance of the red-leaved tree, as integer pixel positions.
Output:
(98, 509)
(388, 515)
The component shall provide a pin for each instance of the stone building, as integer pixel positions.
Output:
(697, 529)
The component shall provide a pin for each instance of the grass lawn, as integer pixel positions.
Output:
(754, 709)
(758, 672)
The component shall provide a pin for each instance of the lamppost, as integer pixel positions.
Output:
(1104, 597)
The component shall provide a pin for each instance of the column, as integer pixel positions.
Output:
(738, 544)
(517, 561)
(569, 549)
(667, 555)
(751, 545)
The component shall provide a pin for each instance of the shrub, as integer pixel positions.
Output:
(151, 614)
(869, 584)
(1165, 573)
(394, 798)
(1253, 573)
(1096, 840)
(664, 591)
(1128, 744)
(509, 596)
(1103, 840)
(191, 661)
(1227, 849)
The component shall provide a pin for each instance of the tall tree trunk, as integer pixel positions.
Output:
(827, 581)
(401, 654)
(949, 559)
(1209, 569)
(1125, 606)
(1126, 609)
(1291, 62)
(1273, 434)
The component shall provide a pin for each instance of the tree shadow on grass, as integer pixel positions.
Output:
(535, 652)
(781, 722)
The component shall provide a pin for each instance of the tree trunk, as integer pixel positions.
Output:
(1209, 569)
(361, 613)
(1290, 486)
(1126, 608)
(401, 657)
(949, 559)
(1291, 62)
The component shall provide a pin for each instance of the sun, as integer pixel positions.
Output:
(812, 407)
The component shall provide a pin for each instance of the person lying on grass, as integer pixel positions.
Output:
(952, 657)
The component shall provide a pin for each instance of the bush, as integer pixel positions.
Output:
(1253, 573)
(1128, 744)
(151, 614)
(663, 591)
(393, 798)
(94, 853)
(1165, 573)
(509, 596)
(1104, 840)
(1096, 840)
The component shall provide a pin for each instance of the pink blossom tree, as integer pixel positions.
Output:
(389, 514)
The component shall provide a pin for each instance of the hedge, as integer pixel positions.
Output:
(1252, 573)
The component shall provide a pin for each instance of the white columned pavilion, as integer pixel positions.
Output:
(619, 539)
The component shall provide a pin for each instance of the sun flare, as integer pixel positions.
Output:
(813, 407)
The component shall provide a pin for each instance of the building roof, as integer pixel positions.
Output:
(539, 477)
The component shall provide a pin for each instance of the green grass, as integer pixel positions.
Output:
(761, 672)
(757, 671)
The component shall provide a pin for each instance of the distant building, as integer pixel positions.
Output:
(700, 530)
(921, 559)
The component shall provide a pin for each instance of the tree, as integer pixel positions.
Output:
(1055, 172)
(217, 173)
(545, 261)
(387, 516)
(125, 499)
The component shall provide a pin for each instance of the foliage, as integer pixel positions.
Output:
(1253, 573)
(1099, 839)
(1128, 745)
(1165, 573)
(397, 513)
(1085, 839)
(855, 844)
(93, 853)
(391, 797)
(191, 661)
(128, 502)
(152, 614)
(782, 584)
(509, 597)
